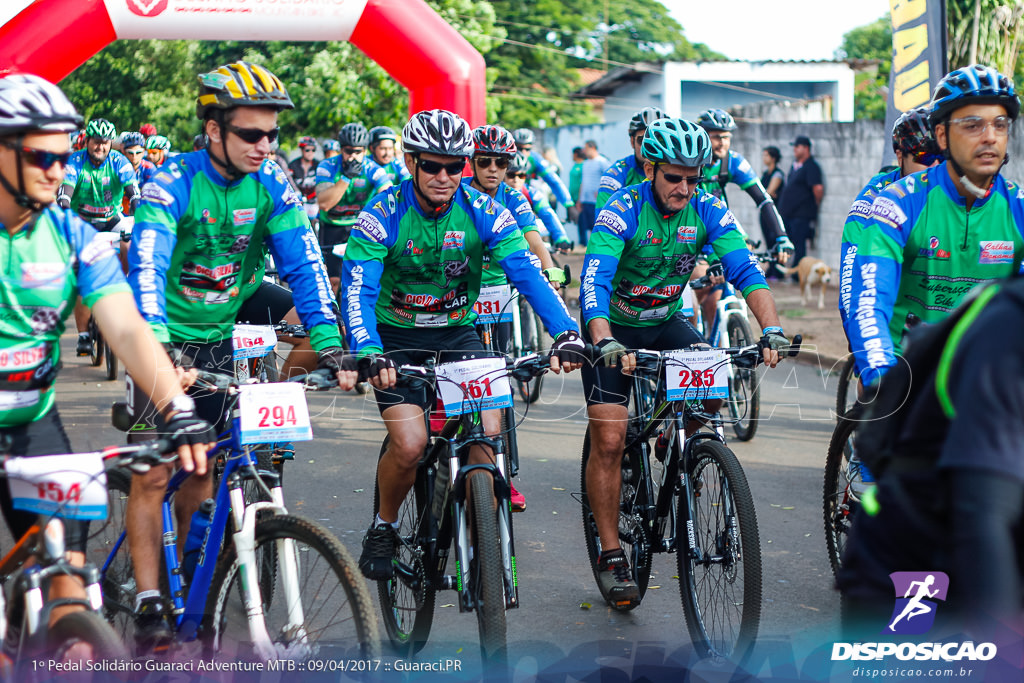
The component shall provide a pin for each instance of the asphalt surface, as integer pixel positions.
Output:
(563, 628)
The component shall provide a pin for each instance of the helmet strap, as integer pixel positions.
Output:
(20, 197)
(436, 208)
(978, 192)
(230, 170)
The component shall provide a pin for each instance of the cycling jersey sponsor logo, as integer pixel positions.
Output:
(44, 275)
(454, 239)
(587, 285)
(324, 173)
(191, 294)
(615, 223)
(504, 220)
(649, 239)
(371, 227)
(885, 210)
(243, 216)
(524, 207)
(431, 320)
(21, 359)
(156, 194)
(164, 177)
(686, 234)
(218, 278)
(212, 245)
(99, 248)
(215, 298)
(411, 249)
(147, 8)
(206, 218)
(359, 182)
(455, 269)
(867, 323)
(861, 209)
(727, 217)
(933, 250)
(610, 183)
(996, 252)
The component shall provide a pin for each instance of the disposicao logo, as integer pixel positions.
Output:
(147, 8)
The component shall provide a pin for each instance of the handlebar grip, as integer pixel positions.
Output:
(568, 274)
(794, 347)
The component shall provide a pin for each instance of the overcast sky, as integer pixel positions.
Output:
(773, 29)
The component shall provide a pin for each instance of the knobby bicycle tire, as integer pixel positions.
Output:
(328, 576)
(407, 604)
(632, 534)
(532, 330)
(838, 506)
(744, 402)
(847, 379)
(720, 585)
(111, 360)
(486, 572)
(96, 343)
(89, 628)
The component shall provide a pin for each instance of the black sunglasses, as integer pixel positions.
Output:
(254, 135)
(675, 179)
(521, 174)
(40, 157)
(485, 162)
(434, 167)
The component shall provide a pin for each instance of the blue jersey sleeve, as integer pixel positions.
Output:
(327, 171)
(547, 216)
(520, 207)
(729, 244)
(547, 173)
(740, 171)
(73, 168)
(401, 172)
(378, 177)
(123, 168)
(615, 226)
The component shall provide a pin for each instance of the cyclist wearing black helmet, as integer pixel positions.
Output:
(343, 186)
(640, 256)
(629, 170)
(382, 148)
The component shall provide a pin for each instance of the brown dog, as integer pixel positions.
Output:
(811, 271)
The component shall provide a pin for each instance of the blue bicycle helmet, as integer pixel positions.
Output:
(132, 138)
(716, 119)
(675, 141)
(975, 84)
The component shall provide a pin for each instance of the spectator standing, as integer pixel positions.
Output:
(594, 166)
(801, 196)
(773, 178)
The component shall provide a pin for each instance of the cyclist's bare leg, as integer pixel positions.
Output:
(396, 470)
(607, 423)
(82, 314)
(302, 358)
(711, 406)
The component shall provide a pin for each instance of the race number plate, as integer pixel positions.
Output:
(73, 486)
(479, 382)
(274, 412)
(493, 305)
(696, 374)
(252, 341)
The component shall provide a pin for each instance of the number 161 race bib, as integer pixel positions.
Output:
(479, 382)
(274, 412)
(696, 375)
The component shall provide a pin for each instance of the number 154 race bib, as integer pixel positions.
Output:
(74, 486)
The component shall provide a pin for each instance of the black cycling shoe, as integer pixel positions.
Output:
(153, 632)
(377, 559)
(616, 579)
(84, 347)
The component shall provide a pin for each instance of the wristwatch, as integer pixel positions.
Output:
(180, 404)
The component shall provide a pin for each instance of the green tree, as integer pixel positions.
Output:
(1000, 30)
(871, 88)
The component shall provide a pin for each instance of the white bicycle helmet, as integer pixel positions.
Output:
(30, 103)
(438, 131)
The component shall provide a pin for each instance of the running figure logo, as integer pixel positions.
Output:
(916, 596)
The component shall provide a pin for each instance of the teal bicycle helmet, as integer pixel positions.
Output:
(675, 141)
(975, 84)
(100, 128)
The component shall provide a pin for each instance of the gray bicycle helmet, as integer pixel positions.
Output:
(675, 141)
(644, 118)
(29, 103)
(716, 119)
(523, 136)
(379, 133)
(439, 132)
(353, 135)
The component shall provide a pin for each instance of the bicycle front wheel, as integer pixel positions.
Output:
(486, 574)
(533, 342)
(632, 535)
(84, 635)
(846, 391)
(720, 578)
(744, 403)
(117, 583)
(839, 505)
(407, 599)
(337, 615)
(96, 341)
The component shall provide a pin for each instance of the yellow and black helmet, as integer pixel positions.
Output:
(240, 84)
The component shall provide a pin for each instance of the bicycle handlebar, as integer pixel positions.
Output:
(522, 369)
(750, 356)
(138, 457)
(317, 380)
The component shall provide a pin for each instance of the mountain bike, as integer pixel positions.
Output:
(59, 487)
(694, 483)
(100, 352)
(280, 585)
(457, 508)
(840, 502)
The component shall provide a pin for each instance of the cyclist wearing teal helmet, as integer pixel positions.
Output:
(641, 254)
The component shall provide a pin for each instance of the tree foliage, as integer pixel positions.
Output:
(871, 88)
(1000, 31)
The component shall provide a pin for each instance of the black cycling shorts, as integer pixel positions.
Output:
(331, 235)
(45, 436)
(405, 346)
(608, 385)
(267, 306)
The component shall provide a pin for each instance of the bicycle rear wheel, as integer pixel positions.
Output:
(111, 360)
(839, 505)
(118, 581)
(338, 619)
(485, 569)
(744, 402)
(407, 599)
(96, 341)
(720, 582)
(632, 535)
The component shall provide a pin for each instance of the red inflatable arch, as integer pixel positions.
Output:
(406, 37)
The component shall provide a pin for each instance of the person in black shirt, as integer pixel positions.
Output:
(801, 197)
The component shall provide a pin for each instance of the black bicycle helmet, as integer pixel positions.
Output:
(644, 118)
(716, 119)
(379, 133)
(912, 133)
(354, 135)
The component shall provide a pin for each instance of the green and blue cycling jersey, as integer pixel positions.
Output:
(396, 170)
(197, 251)
(371, 182)
(47, 265)
(542, 209)
(408, 269)
(860, 212)
(718, 174)
(98, 189)
(516, 203)
(538, 167)
(623, 173)
(920, 252)
(638, 259)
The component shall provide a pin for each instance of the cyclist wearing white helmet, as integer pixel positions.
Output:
(69, 260)
(642, 251)
(540, 168)
(411, 276)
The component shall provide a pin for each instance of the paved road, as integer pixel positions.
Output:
(563, 622)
